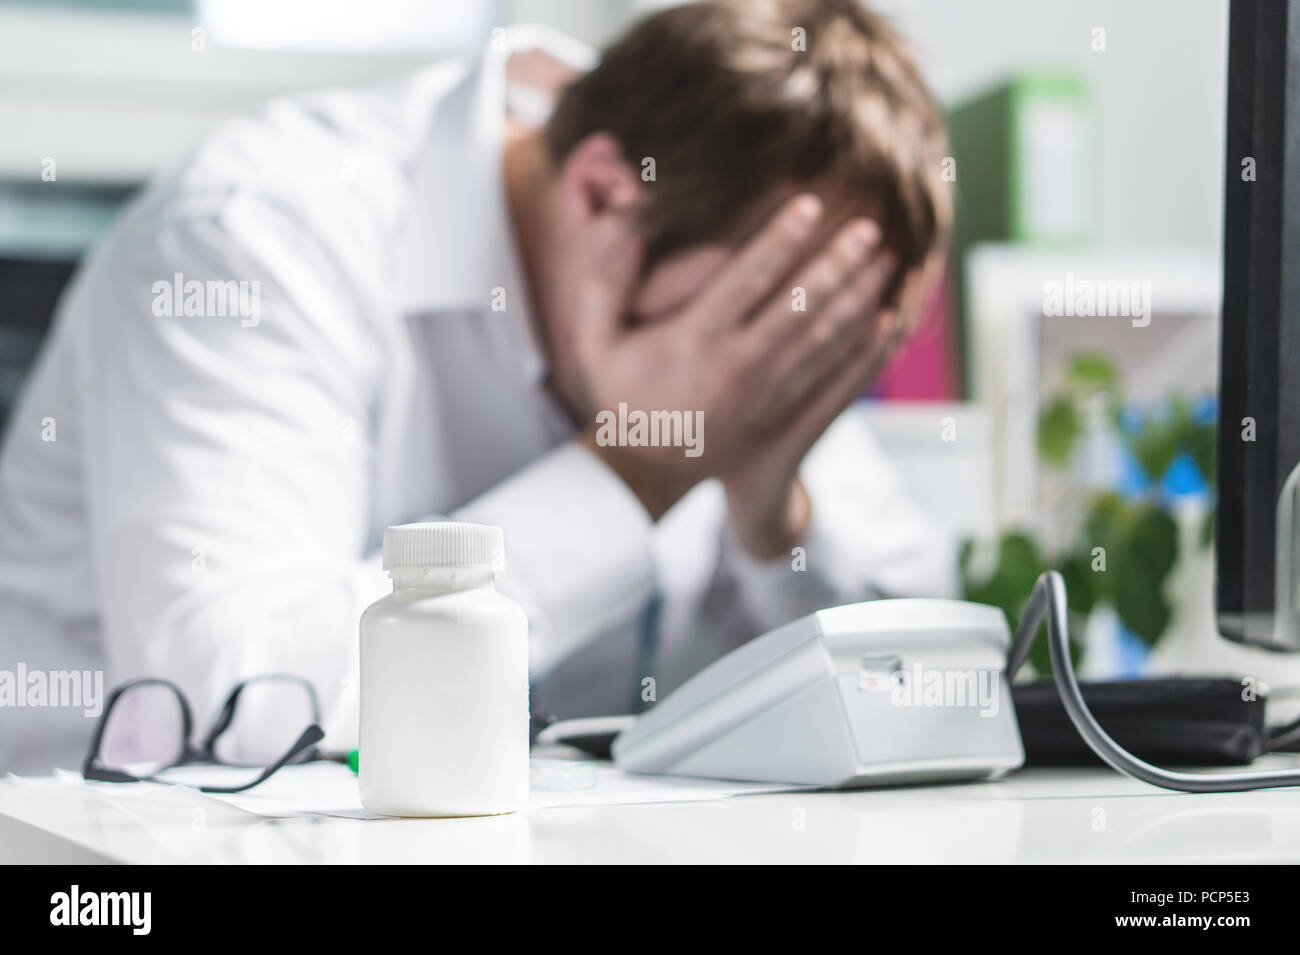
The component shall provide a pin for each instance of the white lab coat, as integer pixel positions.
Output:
(212, 503)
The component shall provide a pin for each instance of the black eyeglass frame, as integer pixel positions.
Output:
(94, 767)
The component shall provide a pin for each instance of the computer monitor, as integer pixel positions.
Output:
(1258, 524)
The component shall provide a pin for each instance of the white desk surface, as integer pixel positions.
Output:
(1034, 816)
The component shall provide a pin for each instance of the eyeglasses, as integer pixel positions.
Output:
(147, 727)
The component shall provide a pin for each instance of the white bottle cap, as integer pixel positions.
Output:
(444, 544)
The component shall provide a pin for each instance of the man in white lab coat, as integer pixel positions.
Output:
(362, 308)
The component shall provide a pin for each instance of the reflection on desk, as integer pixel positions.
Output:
(1035, 816)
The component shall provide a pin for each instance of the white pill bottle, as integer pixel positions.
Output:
(444, 679)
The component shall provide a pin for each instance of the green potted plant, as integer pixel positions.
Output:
(1127, 543)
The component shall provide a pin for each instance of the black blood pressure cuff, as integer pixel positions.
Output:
(1168, 722)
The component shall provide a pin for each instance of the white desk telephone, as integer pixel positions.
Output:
(888, 691)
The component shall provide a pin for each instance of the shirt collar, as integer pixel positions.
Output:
(459, 244)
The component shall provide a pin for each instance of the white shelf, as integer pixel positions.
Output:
(1005, 293)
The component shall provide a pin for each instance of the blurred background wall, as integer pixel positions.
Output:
(1158, 91)
(114, 89)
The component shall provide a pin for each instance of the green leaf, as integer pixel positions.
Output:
(1142, 607)
(1154, 448)
(1080, 585)
(1058, 430)
(1092, 372)
(1147, 551)
(1201, 445)
(1153, 541)
(1101, 529)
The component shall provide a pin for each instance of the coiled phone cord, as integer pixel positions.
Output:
(1048, 602)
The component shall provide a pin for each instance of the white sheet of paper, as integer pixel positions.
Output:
(330, 789)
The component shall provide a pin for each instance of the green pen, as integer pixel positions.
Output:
(354, 760)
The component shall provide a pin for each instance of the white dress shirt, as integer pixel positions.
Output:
(213, 499)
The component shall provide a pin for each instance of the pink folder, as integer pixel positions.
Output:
(924, 367)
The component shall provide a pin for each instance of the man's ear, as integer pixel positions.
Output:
(596, 179)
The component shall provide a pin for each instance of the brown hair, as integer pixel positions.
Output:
(735, 98)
